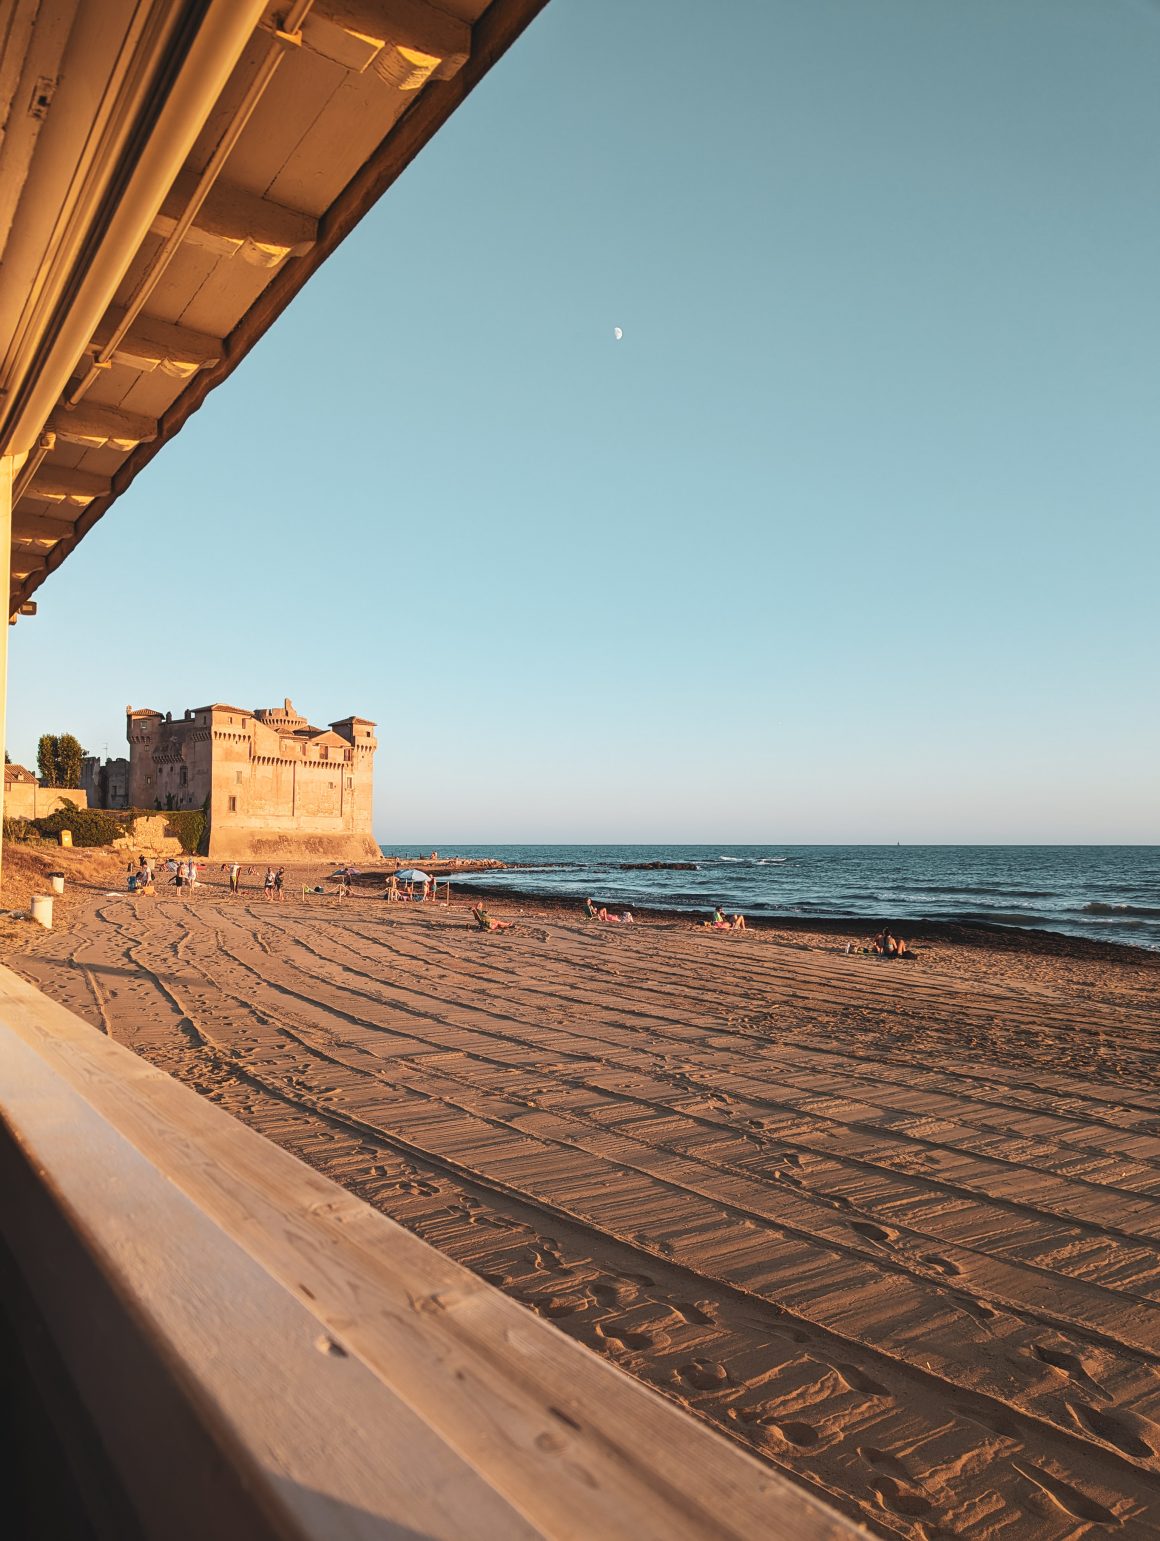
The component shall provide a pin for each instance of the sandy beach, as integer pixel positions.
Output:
(893, 1226)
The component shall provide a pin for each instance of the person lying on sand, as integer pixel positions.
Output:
(486, 922)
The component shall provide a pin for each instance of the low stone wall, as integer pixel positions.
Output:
(150, 835)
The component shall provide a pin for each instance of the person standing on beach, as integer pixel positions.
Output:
(235, 876)
(280, 885)
(268, 886)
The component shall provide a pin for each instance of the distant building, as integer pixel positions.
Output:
(25, 798)
(273, 785)
(107, 785)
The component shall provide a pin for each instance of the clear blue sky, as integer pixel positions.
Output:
(853, 537)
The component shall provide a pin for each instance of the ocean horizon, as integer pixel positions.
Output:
(1102, 892)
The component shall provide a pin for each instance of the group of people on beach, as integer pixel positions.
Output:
(884, 945)
(414, 893)
(141, 879)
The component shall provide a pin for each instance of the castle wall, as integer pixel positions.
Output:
(276, 787)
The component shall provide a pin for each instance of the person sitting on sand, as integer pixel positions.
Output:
(718, 923)
(590, 910)
(737, 923)
(486, 922)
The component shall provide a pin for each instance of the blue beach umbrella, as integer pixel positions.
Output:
(412, 875)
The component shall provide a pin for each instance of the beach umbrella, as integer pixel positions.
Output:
(412, 875)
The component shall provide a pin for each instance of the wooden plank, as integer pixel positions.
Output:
(411, 23)
(95, 426)
(154, 344)
(569, 1442)
(280, 1408)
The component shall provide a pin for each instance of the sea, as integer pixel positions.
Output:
(1107, 893)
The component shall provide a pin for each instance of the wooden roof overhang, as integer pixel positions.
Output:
(171, 173)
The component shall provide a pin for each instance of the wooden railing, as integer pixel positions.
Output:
(229, 1345)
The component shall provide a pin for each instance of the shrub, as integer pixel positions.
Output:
(188, 825)
(19, 831)
(89, 826)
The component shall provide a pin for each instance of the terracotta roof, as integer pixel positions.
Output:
(18, 773)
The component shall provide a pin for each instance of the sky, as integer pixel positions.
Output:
(853, 535)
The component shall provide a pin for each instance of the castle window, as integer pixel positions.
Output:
(184, 775)
(238, 777)
(324, 753)
(233, 805)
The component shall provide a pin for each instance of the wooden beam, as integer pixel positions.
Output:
(152, 344)
(96, 426)
(413, 24)
(31, 524)
(61, 484)
(234, 222)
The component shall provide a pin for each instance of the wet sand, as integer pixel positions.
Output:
(893, 1226)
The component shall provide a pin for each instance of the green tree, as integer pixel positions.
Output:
(70, 758)
(59, 758)
(46, 758)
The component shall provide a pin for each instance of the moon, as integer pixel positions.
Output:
(617, 333)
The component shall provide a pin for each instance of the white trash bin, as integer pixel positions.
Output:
(57, 881)
(42, 910)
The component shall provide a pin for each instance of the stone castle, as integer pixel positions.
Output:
(274, 785)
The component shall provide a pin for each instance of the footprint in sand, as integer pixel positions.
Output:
(545, 1261)
(793, 1432)
(943, 1265)
(975, 1308)
(1079, 1505)
(555, 1309)
(857, 1380)
(878, 1233)
(622, 1337)
(1070, 1364)
(704, 1315)
(615, 1294)
(705, 1375)
(1124, 1430)
(898, 1499)
(884, 1461)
